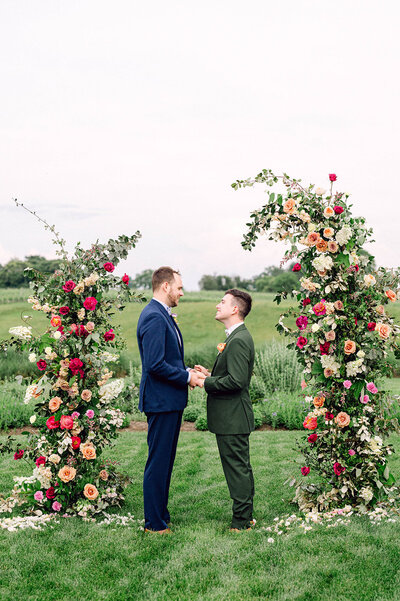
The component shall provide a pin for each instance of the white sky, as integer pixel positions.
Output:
(126, 115)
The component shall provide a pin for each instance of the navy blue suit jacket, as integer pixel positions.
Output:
(163, 386)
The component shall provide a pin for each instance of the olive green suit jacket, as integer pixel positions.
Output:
(229, 408)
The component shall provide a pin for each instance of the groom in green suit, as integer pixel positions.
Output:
(229, 409)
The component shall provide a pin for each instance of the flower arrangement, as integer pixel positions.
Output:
(342, 336)
(73, 392)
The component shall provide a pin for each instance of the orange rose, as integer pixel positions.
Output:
(383, 330)
(349, 347)
(329, 212)
(310, 423)
(391, 295)
(289, 206)
(86, 395)
(342, 419)
(55, 321)
(319, 401)
(67, 473)
(328, 232)
(88, 450)
(312, 238)
(103, 475)
(221, 346)
(54, 403)
(332, 247)
(90, 492)
(321, 245)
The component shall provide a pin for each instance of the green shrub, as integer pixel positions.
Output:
(282, 410)
(202, 355)
(13, 362)
(201, 422)
(278, 369)
(258, 417)
(13, 412)
(192, 412)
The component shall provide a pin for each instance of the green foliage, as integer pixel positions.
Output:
(13, 412)
(143, 280)
(201, 422)
(12, 274)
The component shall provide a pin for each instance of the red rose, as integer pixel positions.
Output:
(76, 442)
(306, 301)
(68, 286)
(332, 177)
(328, 416)
(90, 303)
(371, 326)
(75, 365)
(125, 279)
(19, 454)
(51, 492)
(356, 267)
(338, 209)
(313, 437)
(109, 335)
(324, 348)
(66, 422)
(301, 342)
(52, 424)
(305, 470)
(41, 364)
(109, 267)
(40, 460)
(64, 310)
(338, 469)
(355, 320)
(296, 267)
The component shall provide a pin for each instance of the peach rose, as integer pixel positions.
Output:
(391, 295)
(383, 330)
(86, 395)
(88, 450)
(67, 473)
(349, 347)
(54, 403)
(329, 212)
(221, 346)
(90, 326)
(322, 273)
(318, 401)
(380, 309)
(321, 245)
(289, 206)
(338, 305)
(312, 238)
(63, 384)
(332, 246)
(342, 419)
(331, 335)
(328, 232)
(328, 372)
(90, 492)
(103, 475)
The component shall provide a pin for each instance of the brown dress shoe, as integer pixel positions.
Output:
(165, 531)
(239, 530)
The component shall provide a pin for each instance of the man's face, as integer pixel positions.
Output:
(225, 308)
(175, 291)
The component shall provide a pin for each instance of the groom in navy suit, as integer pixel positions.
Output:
(163, 392)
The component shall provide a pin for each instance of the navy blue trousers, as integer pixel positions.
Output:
(162, 438)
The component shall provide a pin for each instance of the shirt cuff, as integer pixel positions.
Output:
(189, 374)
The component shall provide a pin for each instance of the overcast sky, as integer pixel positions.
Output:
(125, 115)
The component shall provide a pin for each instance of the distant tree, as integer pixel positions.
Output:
(142, 280)
(12, 273)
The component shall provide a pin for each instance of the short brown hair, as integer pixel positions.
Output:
(161, 275)
(243, 301)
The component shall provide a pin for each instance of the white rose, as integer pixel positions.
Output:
(57, 335)
(48, 350)
(369, 280)
(320, 191)
(315, 327)
(32, 419)
(361, 354)
(32, 357)
(311, 227)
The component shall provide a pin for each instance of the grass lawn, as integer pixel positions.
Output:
(202, 560)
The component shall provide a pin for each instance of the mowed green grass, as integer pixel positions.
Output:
(202, 561)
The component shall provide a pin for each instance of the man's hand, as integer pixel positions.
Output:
(202, 370)
(196, 379)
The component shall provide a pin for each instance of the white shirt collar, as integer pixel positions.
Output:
(232, 328)
(168, 309)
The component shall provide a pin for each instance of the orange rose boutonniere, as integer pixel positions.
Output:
(221, 346)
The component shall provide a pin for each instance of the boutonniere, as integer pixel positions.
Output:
(175, 318)
(221, 346)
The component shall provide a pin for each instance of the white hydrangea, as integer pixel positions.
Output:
(107, 357)
(343, 235)
(32, 392)
(366, 493)
(329, 362)
(355, 367)
(21, 332)
(111, 390)
(322, 262)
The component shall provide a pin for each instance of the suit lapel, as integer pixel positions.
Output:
(238, 329)
(171, 322)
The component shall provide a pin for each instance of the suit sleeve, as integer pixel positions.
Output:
(237, 362)
(152, 332)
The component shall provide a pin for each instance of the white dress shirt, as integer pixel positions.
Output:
(229, 331)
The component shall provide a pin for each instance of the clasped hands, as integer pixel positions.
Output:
(198, 375)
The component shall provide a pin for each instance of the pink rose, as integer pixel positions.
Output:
(75, 415)
(364, 399)
(109, 335)
(296, 267)
(372, 388)
(319, 308)
(90, 413)
(109, 267)
(56, 506)
(347, 384)
(305, 470)
(19, 454)
(125, 279)
(90, 326)
(338, 209)
(40, 460)
(52, 424)
(41, 364)
(38, 496)
(64, 310)
(90, 303)
(338, 468)
(302, 322)
(66, 422)
(303, 384)
(332, 177)
(301, 342)
(352, 452)
(68, 286)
